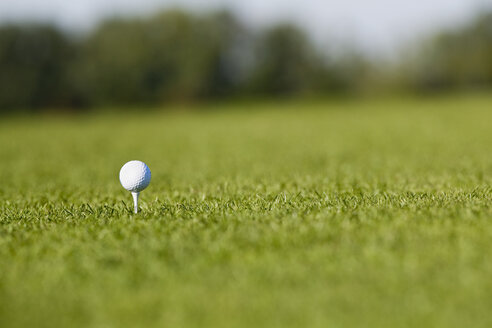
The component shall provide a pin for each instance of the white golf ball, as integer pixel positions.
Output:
(135, 176)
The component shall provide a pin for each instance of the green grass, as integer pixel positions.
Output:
(336, 214)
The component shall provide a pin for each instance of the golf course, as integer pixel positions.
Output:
(291, 213)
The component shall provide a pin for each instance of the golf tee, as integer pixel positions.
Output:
(135, 200)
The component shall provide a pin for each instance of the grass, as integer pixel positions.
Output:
(327, 214)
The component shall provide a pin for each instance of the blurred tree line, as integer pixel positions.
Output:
(178, 56)
(455, 59)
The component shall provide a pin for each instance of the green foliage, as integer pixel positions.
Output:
(177, 56)
(455, 59)
(340, 214)
(286, 62)
(170, 56)
(34, 63)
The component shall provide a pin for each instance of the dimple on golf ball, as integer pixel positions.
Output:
(135, 176)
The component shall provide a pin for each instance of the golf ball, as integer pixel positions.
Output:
(135, 176)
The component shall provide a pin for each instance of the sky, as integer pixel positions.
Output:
(371, 24)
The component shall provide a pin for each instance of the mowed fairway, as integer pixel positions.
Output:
(319, 214)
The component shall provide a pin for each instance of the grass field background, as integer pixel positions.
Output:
(292, 214)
